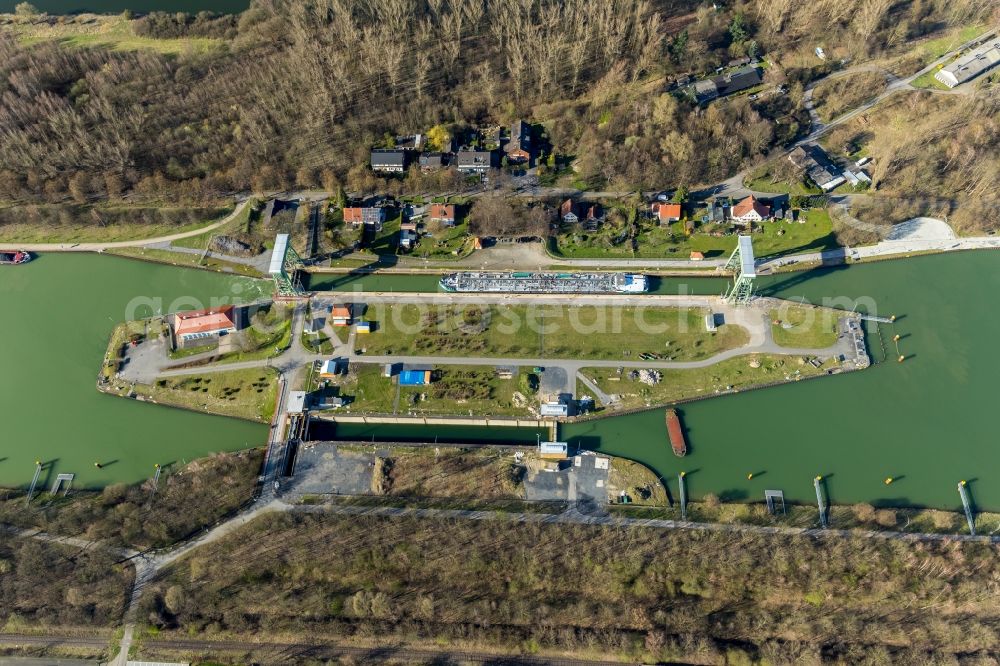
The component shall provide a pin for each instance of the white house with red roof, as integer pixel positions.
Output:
(750, 210)
(209, 323)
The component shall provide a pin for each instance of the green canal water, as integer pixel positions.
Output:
(58, 312)
(926, 422)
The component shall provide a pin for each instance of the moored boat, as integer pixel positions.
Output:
(14, 257)
(676, 433)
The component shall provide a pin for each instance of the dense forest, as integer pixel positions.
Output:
(296, 93)
(650, 595)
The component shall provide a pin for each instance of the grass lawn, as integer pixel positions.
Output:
(114, 32)
(670, 242)
(732, 374)
(184, 259)
(804, 327)
(762, 181)
(932, 49)
(185, 352)
(927, 80)
(246, 394)
(155, 222)
(317, 344)
(448, 243)
(546, 332)
(456, 390)
(638, 481)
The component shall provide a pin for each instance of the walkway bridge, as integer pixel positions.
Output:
(284, 268)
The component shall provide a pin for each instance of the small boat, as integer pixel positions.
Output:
(677, 442)
(15, 257)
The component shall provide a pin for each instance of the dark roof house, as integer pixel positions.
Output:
(519, 147)
(390, 160)
(474, 161)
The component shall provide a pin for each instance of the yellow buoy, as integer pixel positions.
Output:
(683, 474)
(749, 476)
(892, 318)
(97, 465)
(895, 338)
(962, 482)
(888, 480)
(901, 358)
(819, 478)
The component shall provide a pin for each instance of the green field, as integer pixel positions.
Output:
(730, 375)
(246, 394)
(547, 331)
(456, 390)
(809, 328)
(670, 241)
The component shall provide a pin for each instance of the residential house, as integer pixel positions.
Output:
(202, 324)
(719, 211)
(593, 217)
(971, 65)
(340, 315)
(388, 160)
(567, 212)
(750, 210)
(817, 165)
(519, 147)
(666, 211)
(367, 215)
(727, 84)
(433, 161)
(697, 256)
(443, 214)
(474, 161)
(738, 80)
(407, 238)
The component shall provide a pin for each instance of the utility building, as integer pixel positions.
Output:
(971, 65)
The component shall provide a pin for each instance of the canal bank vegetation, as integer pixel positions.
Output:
(636, 594)
(247, 394)
(188, 497)
(548, 331)
(631, 389)
(83, 222)
(159, 256)
(50, 587)
(480, 475)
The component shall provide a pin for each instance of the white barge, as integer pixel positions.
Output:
(545, 283)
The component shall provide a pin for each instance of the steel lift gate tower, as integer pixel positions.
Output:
(742, 263)
(284, 267)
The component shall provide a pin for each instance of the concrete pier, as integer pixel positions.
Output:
(967, 505)
(820, 501)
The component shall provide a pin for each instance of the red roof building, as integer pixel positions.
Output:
(750, 210)
(204, 323)
(443, 213)
(666, 212)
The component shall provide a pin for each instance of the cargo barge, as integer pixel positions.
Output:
(677, 441)
(545, 283)
(15, 257)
